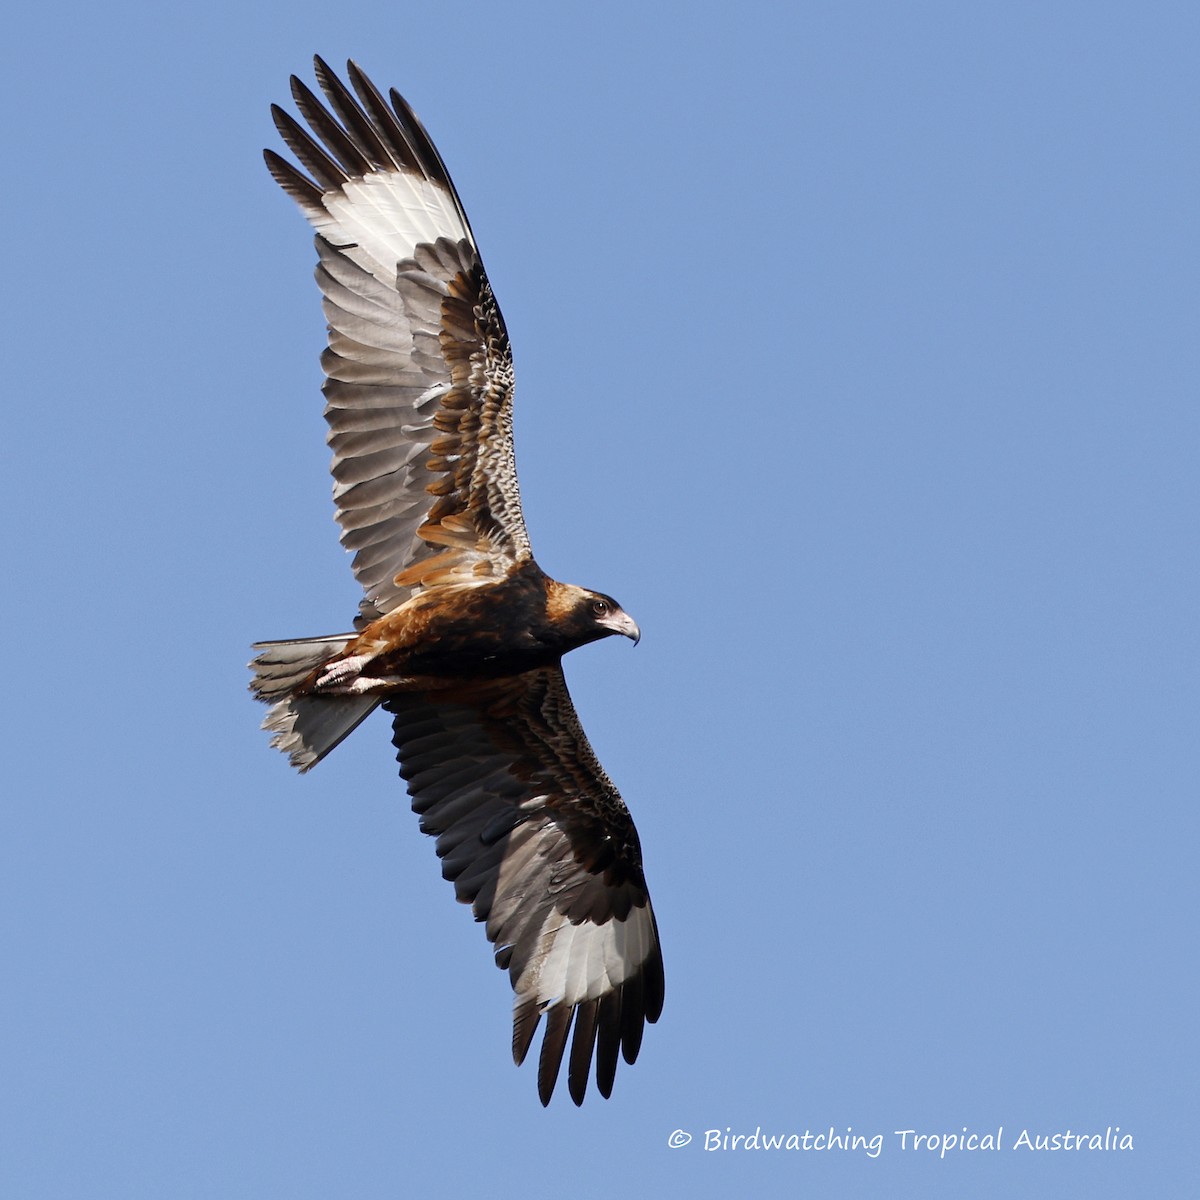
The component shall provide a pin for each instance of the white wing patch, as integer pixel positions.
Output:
(581, 962)
(387, 216)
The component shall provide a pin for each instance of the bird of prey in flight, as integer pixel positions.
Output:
(460, 635)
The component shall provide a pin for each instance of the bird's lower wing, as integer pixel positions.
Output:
(536, 838)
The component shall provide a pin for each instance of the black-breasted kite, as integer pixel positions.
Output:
(460, 635)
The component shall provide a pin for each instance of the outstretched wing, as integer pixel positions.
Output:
(536, 838)
(419, 389)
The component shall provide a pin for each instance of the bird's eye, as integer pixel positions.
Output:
(600, 608)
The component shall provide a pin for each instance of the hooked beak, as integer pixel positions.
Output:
(621, 622)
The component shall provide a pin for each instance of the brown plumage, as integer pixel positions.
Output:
(460, 634)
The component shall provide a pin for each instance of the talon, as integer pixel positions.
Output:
(335, 672)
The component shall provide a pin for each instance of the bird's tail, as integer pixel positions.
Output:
(306, 727)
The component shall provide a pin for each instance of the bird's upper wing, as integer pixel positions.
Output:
(419, 388)
(536, 838)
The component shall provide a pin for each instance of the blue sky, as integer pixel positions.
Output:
(856, 354)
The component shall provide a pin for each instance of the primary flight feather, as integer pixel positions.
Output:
(460, 635)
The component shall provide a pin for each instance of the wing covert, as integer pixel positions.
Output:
(419, 368)
(536, 838)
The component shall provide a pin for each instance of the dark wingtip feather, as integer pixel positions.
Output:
(655, 984)
(341, 146)
(298, 186)
(633, 1009)
(558, 1025)
(384, 120)
(608, 1041)
(526, 1017)
(582, 1044)
(323, 169)
(321, 67)
(357, 125)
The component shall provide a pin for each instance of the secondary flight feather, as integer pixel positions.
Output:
(460, 634)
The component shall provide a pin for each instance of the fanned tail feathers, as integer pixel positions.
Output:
(306, 728)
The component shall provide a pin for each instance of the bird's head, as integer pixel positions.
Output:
(586, 616)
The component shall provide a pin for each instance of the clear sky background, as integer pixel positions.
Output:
(856, 353)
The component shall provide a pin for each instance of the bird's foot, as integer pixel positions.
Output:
(343, 676)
